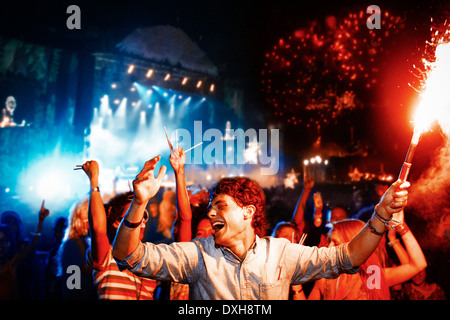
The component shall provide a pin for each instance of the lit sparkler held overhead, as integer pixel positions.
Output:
(434, 97)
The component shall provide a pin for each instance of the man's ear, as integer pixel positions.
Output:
(249, 211)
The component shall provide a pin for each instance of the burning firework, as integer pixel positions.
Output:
(434, 95)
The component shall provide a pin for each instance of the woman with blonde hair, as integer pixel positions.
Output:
(373, 280)
(76, 275)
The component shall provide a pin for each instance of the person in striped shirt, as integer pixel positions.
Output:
(104, 220)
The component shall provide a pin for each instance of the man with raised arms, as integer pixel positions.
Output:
(237, 261)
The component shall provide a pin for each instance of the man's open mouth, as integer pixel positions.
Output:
(218, 225)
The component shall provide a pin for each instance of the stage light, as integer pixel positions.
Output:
(182, 107)
(211, 87)
(130, 69)
(120, 114)
(199, 83)
(172, 106)
(132, 89)
(114, 86)
(184, 81)
(149, 73)
(144, 93)
(156, 119)
(116, 101)
(104, 105)
(172, 111)
(305, 162)
(167, 77)
(142, 119)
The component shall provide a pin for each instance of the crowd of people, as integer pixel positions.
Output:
(154, 244)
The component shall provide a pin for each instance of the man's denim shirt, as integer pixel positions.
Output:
(213, 272)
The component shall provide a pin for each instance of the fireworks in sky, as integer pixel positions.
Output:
(319, 73)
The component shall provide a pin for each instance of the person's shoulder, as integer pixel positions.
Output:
(273, 243)
(205, 243)
(274, 240)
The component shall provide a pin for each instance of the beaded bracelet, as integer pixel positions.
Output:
(387, 223)
(372, 228)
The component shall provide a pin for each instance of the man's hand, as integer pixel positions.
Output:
(318, 202)
(146, 185)
(43, 212)
(394, 199)
(178, 159)
(92, 171)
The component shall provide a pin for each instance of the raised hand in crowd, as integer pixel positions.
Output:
(145, 186)
(184, 231)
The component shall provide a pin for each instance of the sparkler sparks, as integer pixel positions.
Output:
(434, 100)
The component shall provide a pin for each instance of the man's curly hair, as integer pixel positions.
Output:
(244, 191)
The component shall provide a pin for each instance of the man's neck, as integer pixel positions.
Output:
(240, 248)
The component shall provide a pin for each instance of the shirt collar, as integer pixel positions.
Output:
(253, 248)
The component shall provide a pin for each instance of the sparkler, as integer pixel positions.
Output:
(176, 135)
(168, 140)
(303, 238)
(193, 147)
(434, 98)
(406, 167)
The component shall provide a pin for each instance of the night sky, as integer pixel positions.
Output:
(236, 35)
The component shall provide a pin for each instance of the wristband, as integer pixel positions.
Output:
(402, 229)
(95, 189)
(132, 225)
(372, 228)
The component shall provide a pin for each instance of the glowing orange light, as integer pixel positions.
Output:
(435, 97)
